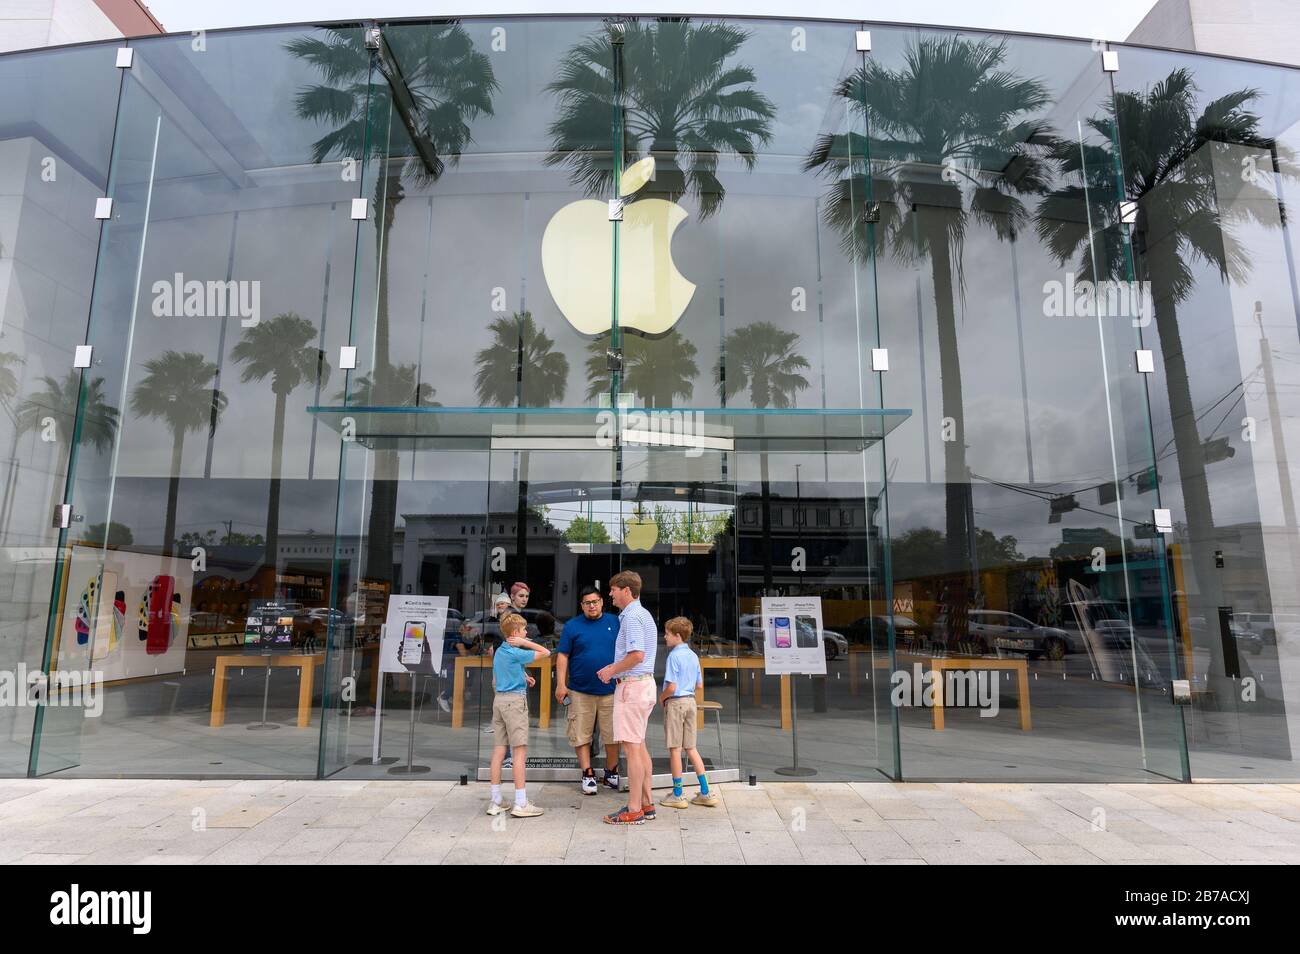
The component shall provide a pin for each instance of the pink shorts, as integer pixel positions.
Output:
(634, 700)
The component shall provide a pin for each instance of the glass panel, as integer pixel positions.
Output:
(1011, 533)
(221, 299)
(57, 118)
(1209, 152)
(754, 154)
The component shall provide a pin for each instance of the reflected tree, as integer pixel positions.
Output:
(450, 84)
(681, 97)
(761, 358)
(520, 368)
(52, 414)
(953, 136)
(177, 389)
(284, 350)
(657, 369)
(1171, 152)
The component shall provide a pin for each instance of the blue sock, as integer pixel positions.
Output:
(677, 786)
(704, 784)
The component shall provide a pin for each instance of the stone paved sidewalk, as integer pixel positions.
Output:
(49, 821)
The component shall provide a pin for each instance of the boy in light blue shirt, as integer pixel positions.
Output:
(682, 676)
(510, 712)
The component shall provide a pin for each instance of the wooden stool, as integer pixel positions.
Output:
(716, 709)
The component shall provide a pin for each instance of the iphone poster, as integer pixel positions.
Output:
(792, 636)
(413, 634)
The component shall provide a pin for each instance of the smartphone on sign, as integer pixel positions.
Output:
(781, 631)
(412, 642)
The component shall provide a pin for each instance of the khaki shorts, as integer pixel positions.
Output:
(584, 710)
(634, 699)
(679, 722)
(510, 719)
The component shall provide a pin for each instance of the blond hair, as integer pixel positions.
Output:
(680, 627)
(511, 623)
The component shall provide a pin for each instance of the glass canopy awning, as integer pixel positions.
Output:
(596, 428)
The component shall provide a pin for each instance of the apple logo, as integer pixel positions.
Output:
(578, 261)
(641, 532)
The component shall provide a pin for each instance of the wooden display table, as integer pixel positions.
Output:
(940, 664)
(485, 662)
(307, 663)
(739, 663)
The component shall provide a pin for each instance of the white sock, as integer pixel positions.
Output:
(521, 799)
(496, 794)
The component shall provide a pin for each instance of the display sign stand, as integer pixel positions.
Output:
(795, 770)
(793, 646)
(374, 758)
(266, 696)
(410, 768)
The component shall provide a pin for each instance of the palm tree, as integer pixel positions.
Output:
(520, 368)
(681, 100)
(284, 350)
(951, 135)
(58, 405)
(1168, 168)
(657, 369)
(450, 84)
(177, 389)
(8, 379)
(761, 357)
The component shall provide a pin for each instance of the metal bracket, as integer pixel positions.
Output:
(103, 208)
(879, 359)
(1110, 61)
(871, 212)
(82, 355)
(62, 516)
(863, 38)
(1163, 520)
(1146, 362)
(347, 358)
(360, 209)
(125, 57)
(616, 210)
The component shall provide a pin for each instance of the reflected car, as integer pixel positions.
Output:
(998, 629)
(751, 637)
(1267, 625)
(862, 630)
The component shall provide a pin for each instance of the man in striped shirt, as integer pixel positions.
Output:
(634, 699)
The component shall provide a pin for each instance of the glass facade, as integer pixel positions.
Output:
(988, 348)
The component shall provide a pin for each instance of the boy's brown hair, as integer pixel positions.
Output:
(628, 579)
(511, 623)
(680, 627)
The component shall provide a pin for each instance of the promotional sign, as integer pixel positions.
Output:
(126, 614)
(792, 636)
(413, 634)
(269, 624)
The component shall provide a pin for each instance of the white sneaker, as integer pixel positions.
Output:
(525, 811)
(589, 785)
(444, 703)
(496, 808)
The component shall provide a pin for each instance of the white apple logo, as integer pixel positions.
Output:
(578, 261)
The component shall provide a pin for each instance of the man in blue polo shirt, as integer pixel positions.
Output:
(586, 646)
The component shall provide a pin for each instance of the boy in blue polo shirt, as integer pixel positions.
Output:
(681, 677)
(510, 712)
(587, 646)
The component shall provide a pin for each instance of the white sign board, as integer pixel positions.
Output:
(413, 634)
(792, 636)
